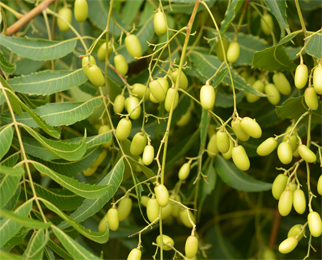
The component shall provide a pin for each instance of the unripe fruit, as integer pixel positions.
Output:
(238, 130)
(311, 98)
(317, 80)
(222, 141)
(251, 80)
(240, 158)
(315, 224)
(139, 89)
(102, 130)
(167, 242)
(95, 75)
(102, 224)
(144, 200)
(184, 171)
(274, 96)
(162, 195)
(119, 104)
(157, 90)
(306, 154)
(285, 203)
(113, 219)
(80, 10)
(123, 129)
(292, 186)
(191, 246)
(121, 64)
(86, 62)
(133, 46)
(207, 97)
(152, 209)
(259, 86)
(212, 146)
(89, 171)
(233, 52)
(184, 119)
(266, 147)
(176, 207)
(251, 127)
(183, 81)
(292, 141)
(295, 230)
(133, 108)
(228, 154)
(281, 83)
(268, 254)
(267, 24)
(160, 23)
(99, 159)
(288, 245)
(124, 208)
(299, 201)
(167, 211)
(101, 54)
(138, 144)
(135, 254)
(185, 218)
(164, 84)
(66, 14)
(284, 153)
(219, 50)
(148, 155)
(169, 98)
(279, 185)
(152, 98)
(319, 185)
(301, 76)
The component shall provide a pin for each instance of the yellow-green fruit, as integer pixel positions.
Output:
(212, 146)
(119, 104)
(233, 52)
(95, 75)
(152, 209)
(207, 97)
(184, 171)
(102, 130)
(194, 258)
(301, 76)
(89, 171)
(279, 185)
(141, 91)
(185, 218)
(133, 46)
(176, 207)
(191, 246)
(183, 81)
(184, 119)
(171, 97)
(292, 186)
(299, 201)
(266, 147)
(288, 245)
(268, 254)
(124, 208)
(284, 153)
(137, 166)
(317, 80)
(296, 153)
(306, 154)
(162, 195)
(251, 80)
(285, 203)
(319, 185)
(251, 127)
(267, 24)
(86, 62)
(138, 144)
(121, 64)
(315, 224)
(99, 159)
(296, 230)
(112, 217)
(80, 10)
(135, 254)
(219, 49)
(238, 130)
(259, 86)
(148, 155)
(311, 98)
(274, 96)
(133, 108)
(101, 54)
(240, 158)
(292, 141)
(123, 129)
(152, 98)
(167, 210)
(281, 83)
(102, 224)
(228, 154)
(144, 200)
(164, 84)
(160, 23)
(222, 141)
(157, 91)
(66, 14)
(167, 242)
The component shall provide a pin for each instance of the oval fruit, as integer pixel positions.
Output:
(99, 159)
(259, 86)
(222, 141)
(292, 141)
(274, 96)
(311, 98)
(95, 75)
(113, 219)
(133, 46)
(102, 130)
(157, 91)
(233, 52)
(184, 119)
(299, 201)
(86, 62)
(176, 207)
(80, 10)
(183, 81)
(148, 155)
(306, 154)
(101, 54)
(167, 244)
(120, 64)
(266, 147)
(162, 195)
(166, 211)
(267, 24)
(164, 84)
(238, 130)
(219, 49)
(135, 254)
(152, 98)
(124, 208)
(319, 185)
(228, 154)
(152, 209)
(288, 245)
(119, 104)
(184, 171)
(144, 200)
(170, 97)
(141, 91)
(123, 129)
(282, 83)
(185, 218)
(285, 203)
(212, 146)
(251, 127)
(191, 246)
(138, 144)
(160, 23)
(284, 153)
(296, 230)
(133, 108)
(268, 254)
(66, 14)
(292, 186)
(102, 224)
(207, 97)
(315, 223)
(89, 171)
(240, 158)
(301, 76)
(317, 80)
(279, 185)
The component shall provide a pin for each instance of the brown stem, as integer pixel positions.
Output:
(275, 228)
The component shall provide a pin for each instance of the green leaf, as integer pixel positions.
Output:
(58, 249)
(48, 82)
(35, 248)
(230, 15)
(11, 171)
(73, 248)
(203, 127)
(8, 186)
(225, 99)
(10, 256)
(239, 180)
(6, 135)
(313, 47)
(11, 160)
(278, 8)
(11, 97)
(38, 49)
(129, 11)
(27, 66)
(6, 66)
(14, 199)
(49, 254)
(18, 238)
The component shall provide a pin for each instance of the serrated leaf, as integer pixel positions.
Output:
(230, 14)
(48, 82)
(6, 66)
(19, 171)
(38, 49)
(18, 238)
(239, 180)
(35, 248)
(8, 186)
(313, 47)
(6, 135)
(278, 8)
(10, 256)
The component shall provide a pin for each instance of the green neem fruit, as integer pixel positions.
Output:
(133, 46)
(89, 171)
(137, 166)
(285, 203)
(184, 119)
(240, 158)
(99, 159)
(288, 245)
(160, 23)
(292, 141)
(162, 195)
(185, 218)
(267, 24)
(164, 83)
(207, 97)
(86, 62)
(124, 208)
(119, 104)
(301, 76)
(212, 146)
(121, 64)
(222, 141)
(281, 83)
(176, 207)
(148, 155)
(102, 130)
(135, 254)
(284, 153)
(319, 186)
(112, 217)
(66, 14)
(167, 210)
(133, 108)
(238, 130)
(233, 52)
(102, 224)
(80, 10)
(306, 154)
(184, 171)
(152, 98)
(228, 154)
(123, 129)
(279, 185)
(138, 144)
(157, 91)
(171, 97)
(315, 223)
(219, 50)
(144, 200)
(141, 91)
(268, 254)
(251, 127)
(191, 246)
(299, 201)
(274, 96)
(292, 186)
(251, 80)
(259, 86)
(183, 81)
(317, 80)
(167, 242)
(266, 147)
(152, 209)
(101, 54)
(296, 230)
(311, 98)
(95, 75)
